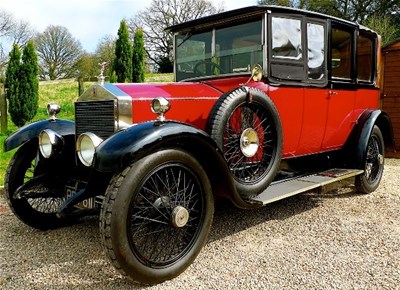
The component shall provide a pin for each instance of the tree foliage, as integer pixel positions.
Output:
(384, 26)
(105, 52)
(12, 72)
(123, 55)
(87, 66)
(366, 12)
(29, 82)
(138, 57)
(353, 10)
(58, 53)
(162, 14)
(22, 84)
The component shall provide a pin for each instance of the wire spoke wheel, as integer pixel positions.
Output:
(246, 126)
(45, 205)
(249, 167)
(374, 163)
(374, 160)
(168, 206)
(156, 216)
(40, 211)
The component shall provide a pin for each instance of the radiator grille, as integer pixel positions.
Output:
(97, 117)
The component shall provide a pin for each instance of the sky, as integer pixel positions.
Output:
(87, 20)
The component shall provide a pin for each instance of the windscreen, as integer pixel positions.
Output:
(226, 50)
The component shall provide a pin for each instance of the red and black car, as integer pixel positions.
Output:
(268, 102)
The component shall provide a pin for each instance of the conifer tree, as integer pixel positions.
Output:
(123, 55)
(138, 57)
(22, 84)
(29, 82)
(113, 77)
(12, 72)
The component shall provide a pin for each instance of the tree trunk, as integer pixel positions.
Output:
(80, 86)
(3, 109)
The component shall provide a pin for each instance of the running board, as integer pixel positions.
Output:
(322, 181)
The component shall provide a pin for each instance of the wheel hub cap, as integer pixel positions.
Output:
(249, 142)
(180, 216)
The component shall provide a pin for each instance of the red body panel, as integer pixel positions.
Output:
(340, 118)
(313, 119)
(190, 102)
(365, 99)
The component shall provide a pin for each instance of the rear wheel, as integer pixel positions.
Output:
(156, 216)
(374, 163)
(246, 126)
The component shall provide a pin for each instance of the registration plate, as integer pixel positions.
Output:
(73, 187)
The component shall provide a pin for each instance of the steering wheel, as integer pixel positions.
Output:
(198, 69)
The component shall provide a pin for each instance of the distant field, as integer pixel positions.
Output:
(64, 93)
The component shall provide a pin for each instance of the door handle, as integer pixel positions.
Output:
(332, 93)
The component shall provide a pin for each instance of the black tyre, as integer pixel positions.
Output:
(156, 216)
(246, 126)
(374, 163)
(39, 212)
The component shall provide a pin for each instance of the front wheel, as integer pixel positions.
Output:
(374, 163)
(39, 204)
(156, 216)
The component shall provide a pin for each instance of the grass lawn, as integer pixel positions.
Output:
(64, 93)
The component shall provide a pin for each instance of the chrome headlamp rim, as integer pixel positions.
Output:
(50, 143)
(86, 145)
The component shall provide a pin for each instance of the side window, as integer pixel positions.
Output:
(341, 51)
(365, 58)
(286, 38)
(316, 51)
(286, 48)
(297, 50)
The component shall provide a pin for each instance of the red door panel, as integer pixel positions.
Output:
(340, 120)
(289, 102)
(314, 120)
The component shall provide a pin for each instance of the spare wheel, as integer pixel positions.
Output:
(246, 126)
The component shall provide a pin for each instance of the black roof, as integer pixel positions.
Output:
(244, 13)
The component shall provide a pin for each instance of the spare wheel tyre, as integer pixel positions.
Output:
(246, 126)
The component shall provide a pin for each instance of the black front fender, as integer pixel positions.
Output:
(28, 132)
(131, 144)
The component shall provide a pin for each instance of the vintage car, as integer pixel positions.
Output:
(268, 102)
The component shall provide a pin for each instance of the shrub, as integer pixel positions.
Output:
(123, 55)
(22, 84)
(138, 57)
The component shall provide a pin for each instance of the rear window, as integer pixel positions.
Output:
(365, 58)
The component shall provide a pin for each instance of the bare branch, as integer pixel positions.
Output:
(163, 13)
(58, 52)
(7, 23)
(22, 32)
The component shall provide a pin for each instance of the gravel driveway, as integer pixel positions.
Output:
(339, 240)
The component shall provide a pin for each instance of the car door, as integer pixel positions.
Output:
(297, 53)
(316, 101)
(341, 93)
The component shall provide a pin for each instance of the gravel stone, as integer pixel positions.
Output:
(338, 240)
